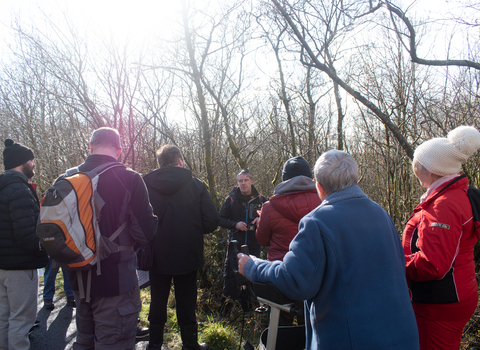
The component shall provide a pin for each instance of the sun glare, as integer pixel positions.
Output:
(135, 22)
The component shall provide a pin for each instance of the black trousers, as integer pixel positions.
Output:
(230, 284)
(185, 287)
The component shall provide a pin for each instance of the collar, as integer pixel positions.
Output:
(17, 174)
(436, 184)
(347, 193)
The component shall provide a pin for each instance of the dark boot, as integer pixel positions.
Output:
(150, 347)
(190, 338)
(156, 337)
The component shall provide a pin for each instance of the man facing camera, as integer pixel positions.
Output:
(239, 214)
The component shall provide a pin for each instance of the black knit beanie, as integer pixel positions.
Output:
(296, 166)
(15, 154)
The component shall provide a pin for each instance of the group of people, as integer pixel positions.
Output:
(331, 248)
(362, 287)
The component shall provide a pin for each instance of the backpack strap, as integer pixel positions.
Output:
(120, 248)
(71, 171)
(451, 183)
(98, 170)
(117, 232)
(474, 197)
(81, 290)
(106, 166)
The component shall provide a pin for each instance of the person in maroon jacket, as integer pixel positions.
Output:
(438, 241)
(293, 198)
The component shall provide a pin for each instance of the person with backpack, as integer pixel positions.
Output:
(186, 212)
(109, 319)
(239, 215)
(20, 251)
(439, 238)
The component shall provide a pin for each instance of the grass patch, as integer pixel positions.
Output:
(146, 299)
(219, 335)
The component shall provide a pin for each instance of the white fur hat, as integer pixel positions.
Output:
(444, 156)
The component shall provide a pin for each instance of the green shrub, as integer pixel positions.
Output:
(219, 336)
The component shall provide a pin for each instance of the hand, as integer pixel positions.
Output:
(241, 226)
(254, 222)
(242, 260)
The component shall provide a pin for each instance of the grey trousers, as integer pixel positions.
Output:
(18, 307)
(107, 323)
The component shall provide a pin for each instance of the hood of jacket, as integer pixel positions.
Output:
(297, 183)
(168, 180)
(293, 198)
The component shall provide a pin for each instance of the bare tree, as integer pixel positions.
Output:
(410, 35)
(313, 48)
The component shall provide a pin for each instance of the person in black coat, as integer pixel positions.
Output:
(20, 251)
(185, 213)
(239, 215)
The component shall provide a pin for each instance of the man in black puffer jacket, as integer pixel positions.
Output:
(185, 213)
(20, 251)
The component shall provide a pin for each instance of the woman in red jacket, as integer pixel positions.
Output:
(293, 198)
(438, 241)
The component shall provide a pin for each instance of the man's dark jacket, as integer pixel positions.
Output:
(234, 209)
(19, 210)
(185, 213)
(114, 186)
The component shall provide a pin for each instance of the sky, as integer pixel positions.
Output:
(136, 20)
(121, 19)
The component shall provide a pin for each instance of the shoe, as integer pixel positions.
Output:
(37, 322)
(142, 332)
(155, 347)
(71, 301)
(48, 304)
(189, 336)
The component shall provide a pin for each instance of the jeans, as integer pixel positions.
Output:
(49, 281)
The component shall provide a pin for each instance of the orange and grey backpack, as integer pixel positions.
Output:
(69, 223)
